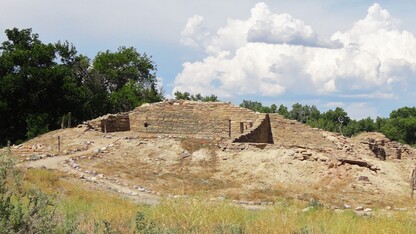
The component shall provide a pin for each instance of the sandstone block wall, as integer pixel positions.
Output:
(211, 120)
(259, 134)
(116, 123)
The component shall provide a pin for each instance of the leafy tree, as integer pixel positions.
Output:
(283, 111)
(36, 88)
(300, 113)
(128, 76)
(401, 126)
(273, 108)
(198, 97)
(182, 96)
(41, 82)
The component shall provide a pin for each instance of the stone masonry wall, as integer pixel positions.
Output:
(111, 123)
(259, 134)
(211, 120)
(116, 123)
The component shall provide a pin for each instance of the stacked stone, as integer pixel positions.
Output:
(115, 123)
(210, 120)
(260, 133)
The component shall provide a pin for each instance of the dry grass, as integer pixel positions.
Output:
(194, 144)
(88, 207)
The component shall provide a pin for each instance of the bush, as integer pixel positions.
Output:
(22, 211)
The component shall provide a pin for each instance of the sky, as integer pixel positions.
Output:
(356, 54)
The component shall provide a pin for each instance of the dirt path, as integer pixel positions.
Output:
(58, 163)
(49, 163)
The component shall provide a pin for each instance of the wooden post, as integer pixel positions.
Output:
(413, 183)
(9, 150)
(105, 127)
(63, 122)
(69, 119)
(59, 144)
(229, 128)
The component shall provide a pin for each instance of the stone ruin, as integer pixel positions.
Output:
(233, 124)
(207, 120)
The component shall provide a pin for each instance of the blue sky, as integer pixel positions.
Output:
(359, 55)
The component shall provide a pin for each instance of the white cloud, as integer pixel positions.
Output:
(194, 32)
(272, 54)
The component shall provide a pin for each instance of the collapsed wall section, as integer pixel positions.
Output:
(116, 123)
(292, 133)
(211, 120)
(111, 123)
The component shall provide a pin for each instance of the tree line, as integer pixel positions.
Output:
(399, 126)
(40, 83)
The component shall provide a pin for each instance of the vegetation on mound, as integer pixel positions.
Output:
(47, 201)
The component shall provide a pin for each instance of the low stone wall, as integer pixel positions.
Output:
(210, 120)
(116, 123)
(110, 123)
(259, 134)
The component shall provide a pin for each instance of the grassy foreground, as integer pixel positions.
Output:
(86, 210)
(48, 201)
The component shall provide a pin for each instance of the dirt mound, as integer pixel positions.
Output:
(329, 167)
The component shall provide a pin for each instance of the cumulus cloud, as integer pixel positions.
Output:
(194, 34)
(272, 54)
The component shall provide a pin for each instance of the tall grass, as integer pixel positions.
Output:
(89, 209)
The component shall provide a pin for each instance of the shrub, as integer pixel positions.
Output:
(22, 211)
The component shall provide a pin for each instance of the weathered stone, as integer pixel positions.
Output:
(359, 208)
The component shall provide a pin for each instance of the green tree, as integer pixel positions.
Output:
(283, 111)
(252, 105)
(128, 76)
(197, 97)
(36, 86)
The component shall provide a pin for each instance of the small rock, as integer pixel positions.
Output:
(400, 209)
(346, 206)
(363, 178)
(359, 208)
(387, 207)
(368, 210)
(307, 209)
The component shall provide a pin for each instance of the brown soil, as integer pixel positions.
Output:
(157, 167)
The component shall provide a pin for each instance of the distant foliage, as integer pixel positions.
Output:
(41, 82)
(400, 126)
(197, 97)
